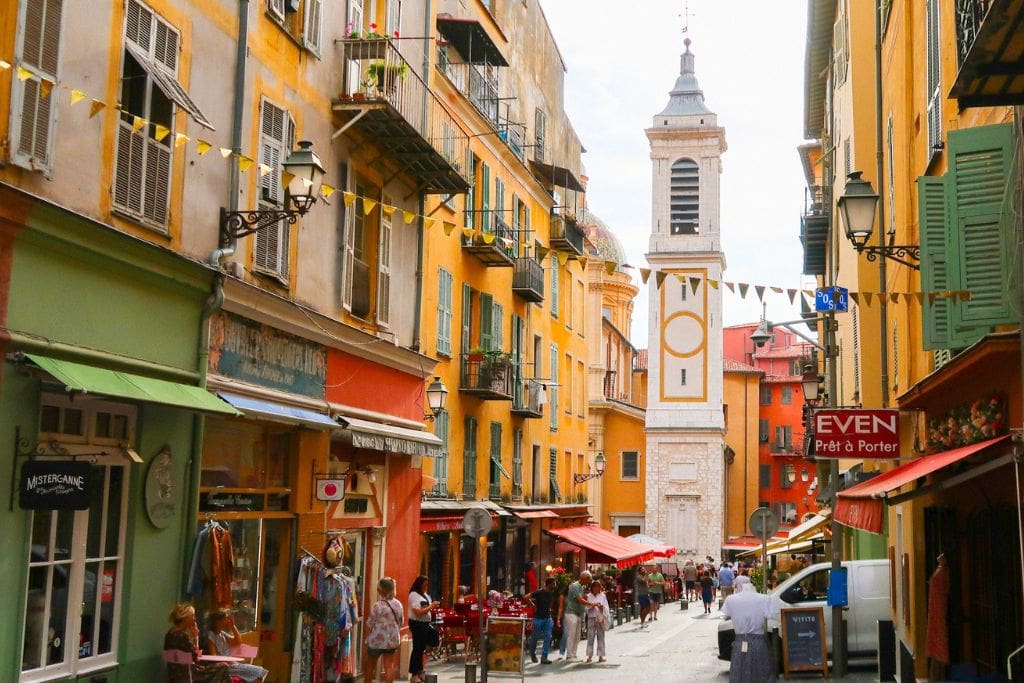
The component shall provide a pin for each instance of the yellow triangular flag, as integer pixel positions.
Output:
(583, 262)
(265, 170)
(202, 147)
(306, 182)
(932, 296)
(408, 217)
(245, 163)
(327, 190)
(369, 205)
(225, 153)
(855, 298)
(467, 233)
(161, 132)
(810, 293)
(95, 108)
(448, 228)
(659, 278)
(964, 295)
(562, 256)
(713, 283)
(542, 252)
(920, 298)
(180, 139)
(388, 209)
(428, 223)
(137, 123)
(24, 74)
(867, 296)
(76, 97)
(777, 290)
(45, 87)
(4, 66)
(760, 292)
(743, 287)
(680, 277)
(609, 267)
(894, 297)
(694, 284)
(488, 238)
(731, 286)
(792, 295)
(645, 274)
(348, 198)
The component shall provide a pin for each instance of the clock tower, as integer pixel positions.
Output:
(685, 424)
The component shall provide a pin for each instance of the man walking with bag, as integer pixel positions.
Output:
(573, 613)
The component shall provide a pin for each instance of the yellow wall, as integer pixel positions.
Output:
(622, 432)
(741, 397)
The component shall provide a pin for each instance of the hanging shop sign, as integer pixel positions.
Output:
(856, 433)
(54, 485)
(330, 489)
(252, 352)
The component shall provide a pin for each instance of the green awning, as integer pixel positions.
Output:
(93, 380)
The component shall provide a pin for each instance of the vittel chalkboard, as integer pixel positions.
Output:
(803, 640)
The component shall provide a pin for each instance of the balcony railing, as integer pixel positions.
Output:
(969, 16)
(487, 375)
(566, 234)
(390, 104)
(528, 279)
(609, 384)
(494, 245)
(989, 45)
(528, 398)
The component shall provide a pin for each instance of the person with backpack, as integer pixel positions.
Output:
(383, 632)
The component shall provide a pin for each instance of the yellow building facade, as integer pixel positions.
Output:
(741, 399)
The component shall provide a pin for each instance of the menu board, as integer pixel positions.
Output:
(803, 640)
(505, 636)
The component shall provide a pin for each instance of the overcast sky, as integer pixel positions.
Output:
(623, 59)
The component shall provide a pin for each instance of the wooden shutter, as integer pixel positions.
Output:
(467, 321)
(276, 131)
(468, 212)
(312, 22)
(348, 255)
(486, 321)
(485, 199)
(275, 8)
(554, 286)
(441, 428)
(384, 267)
(516, 234)
(32, 116)
(553, 404)
(498, 327)
(444, 312)
(931, 201)
(933, 65)
(469, 458)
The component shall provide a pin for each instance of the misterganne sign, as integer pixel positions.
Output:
(856, 433)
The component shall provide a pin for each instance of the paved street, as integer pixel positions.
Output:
(681, 646)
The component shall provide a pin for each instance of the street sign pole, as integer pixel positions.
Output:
(764, 523)
(477, 523)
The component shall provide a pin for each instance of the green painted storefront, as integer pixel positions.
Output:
(85, 293)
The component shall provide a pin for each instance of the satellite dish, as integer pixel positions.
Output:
(477, 522)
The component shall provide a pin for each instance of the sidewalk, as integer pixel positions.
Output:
(681, 646)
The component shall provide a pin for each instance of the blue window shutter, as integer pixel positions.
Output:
(980, 195)
(931, 202)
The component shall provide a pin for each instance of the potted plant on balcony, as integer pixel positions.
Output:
(494, 368)
(385, 76)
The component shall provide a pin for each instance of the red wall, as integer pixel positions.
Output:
(361, 383)
(402, 543)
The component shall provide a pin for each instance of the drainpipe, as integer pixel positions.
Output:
(883, 313)
(418, 298)
(215, 300)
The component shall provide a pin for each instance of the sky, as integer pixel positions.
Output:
(622, 61)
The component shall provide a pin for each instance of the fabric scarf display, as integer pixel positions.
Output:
(328, 611)
(213, 564)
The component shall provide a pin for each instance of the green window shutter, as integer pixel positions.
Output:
(980, 196)
(469, 212)
(497, 323)
(486, 321)
(469, 459)
(444, 312)
(485, 199)
(467, 319)
(931, 201)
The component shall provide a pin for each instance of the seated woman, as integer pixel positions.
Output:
(221, 637)
(184, 638)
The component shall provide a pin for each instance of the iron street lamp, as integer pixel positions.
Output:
(857, 206)
(810, 384)
(437, 392)
(599, 465)
(307, 175)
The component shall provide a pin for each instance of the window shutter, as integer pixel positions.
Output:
(275, 8)
(485, 199)
(980, 195)
(497, 322)
(311, 25)
(32, 116)
(934, 77)
(441, 428)
(553, 405)
(467, 319)
(516, 234)
(139, 25)
(272, 247)
(554, 286)
(444, 312)
(935, 276)
(486, 321)
(469, 459)
(468, 212)
(384, 267)
(348, 257)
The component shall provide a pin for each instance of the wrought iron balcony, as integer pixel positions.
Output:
(495, 244)
(488, 375)
(528, 398)
(609, 384)
(566, 235)
(389, 104)
(989, 45)
(528, 279)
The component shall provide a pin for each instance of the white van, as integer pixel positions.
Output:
(868, 593)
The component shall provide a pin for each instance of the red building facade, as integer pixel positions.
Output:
(787, 483)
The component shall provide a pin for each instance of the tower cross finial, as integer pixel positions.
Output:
(686, 16)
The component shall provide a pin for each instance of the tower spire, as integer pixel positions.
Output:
(686, 97)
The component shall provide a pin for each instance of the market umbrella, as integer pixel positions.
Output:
(661, 549)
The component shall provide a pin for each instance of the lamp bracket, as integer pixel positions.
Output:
(907, 254)
(236, 224)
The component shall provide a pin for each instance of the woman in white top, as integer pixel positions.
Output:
(420, 606)
(598, 616)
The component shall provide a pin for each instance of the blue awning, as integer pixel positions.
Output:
(276, 412)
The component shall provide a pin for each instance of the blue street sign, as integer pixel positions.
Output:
(837, 588)
(831, 299)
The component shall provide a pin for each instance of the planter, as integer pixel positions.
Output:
(363, 48)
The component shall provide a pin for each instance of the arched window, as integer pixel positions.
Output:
(684, 198)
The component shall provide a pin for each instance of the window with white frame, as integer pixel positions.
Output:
(630, 466)
(384, 266)
(933, 65)
(445, 287)
(569, 393)
(312, 25)
(277, 137)
(554, 287)
(553, 404)
(393, 18)
(539, 134)
(37, 53)
(517, 463)
(74, 569)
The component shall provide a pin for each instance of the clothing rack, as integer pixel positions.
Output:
(311, 555)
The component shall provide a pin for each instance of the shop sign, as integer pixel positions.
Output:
(856, 433)
(54, 485)
(391, 444)
(250, 351)
(230, 502)
(330, 489)
(160, 490)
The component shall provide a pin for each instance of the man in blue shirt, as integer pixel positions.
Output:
(726, 577)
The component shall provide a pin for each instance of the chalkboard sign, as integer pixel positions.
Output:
(803, 640)
(505, 638)
(54, 485)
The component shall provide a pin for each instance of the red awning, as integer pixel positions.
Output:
(434, 524)
(535, 514)
(663, 550)
(861, 506)
(603, 545)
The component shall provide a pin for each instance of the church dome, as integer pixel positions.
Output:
(607, 246)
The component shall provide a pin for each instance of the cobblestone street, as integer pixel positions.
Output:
(680, 646)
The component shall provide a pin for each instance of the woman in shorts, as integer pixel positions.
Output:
(642, 591)
(383, 632)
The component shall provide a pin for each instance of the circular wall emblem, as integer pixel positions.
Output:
(161, 504)
(683, 334)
